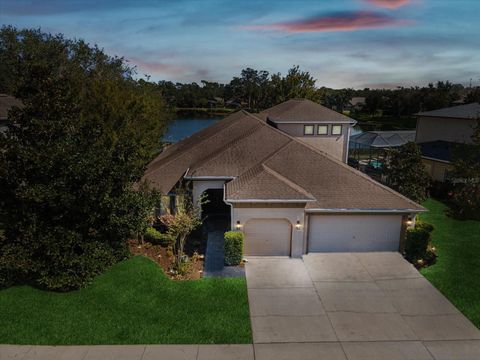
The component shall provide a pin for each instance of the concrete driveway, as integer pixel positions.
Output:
(353, 306)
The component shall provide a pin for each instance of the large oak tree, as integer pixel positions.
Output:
(70, 158)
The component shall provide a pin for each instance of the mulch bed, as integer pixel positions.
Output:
(165, 260)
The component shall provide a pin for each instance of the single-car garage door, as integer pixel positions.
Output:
(267, 237)
(343, 233)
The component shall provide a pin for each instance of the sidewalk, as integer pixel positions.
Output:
(128, 352)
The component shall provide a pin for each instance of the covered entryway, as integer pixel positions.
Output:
(344, 233)
(215, 212)
(268, 237)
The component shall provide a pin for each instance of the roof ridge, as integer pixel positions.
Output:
(245, 177)
(234, 142)
(288, 182)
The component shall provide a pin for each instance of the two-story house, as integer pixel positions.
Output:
(438, 132)
(280, 177)
(311, 123)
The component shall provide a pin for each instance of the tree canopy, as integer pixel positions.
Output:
(70, 158)
(406, 173)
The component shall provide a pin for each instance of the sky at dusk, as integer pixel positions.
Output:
(343, 43)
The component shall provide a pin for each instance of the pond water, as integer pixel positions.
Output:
(186, 125)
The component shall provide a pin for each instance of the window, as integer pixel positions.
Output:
(322, 130)
(336, 129)
(308, 129)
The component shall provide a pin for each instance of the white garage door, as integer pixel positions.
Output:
(337, 233)
(267, 237)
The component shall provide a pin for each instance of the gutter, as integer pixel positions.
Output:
(209, 177)
(269, 200)
(229, 204)
(360, 211)
(434, 159)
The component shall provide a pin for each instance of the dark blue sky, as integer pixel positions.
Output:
(343, 43)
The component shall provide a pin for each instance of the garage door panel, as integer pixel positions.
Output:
(267, 237)
(344, 233)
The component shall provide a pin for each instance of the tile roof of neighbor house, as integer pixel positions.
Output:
(6, 103)
(303, 110)
(267, 164)
(467, 111)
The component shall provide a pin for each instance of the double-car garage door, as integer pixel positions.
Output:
(326, 233)
(345, 233)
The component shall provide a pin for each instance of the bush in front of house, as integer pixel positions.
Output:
(233, 247)
(418, 249)
(155, 237)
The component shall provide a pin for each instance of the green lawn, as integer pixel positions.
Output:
(132, 303)
(457, 271)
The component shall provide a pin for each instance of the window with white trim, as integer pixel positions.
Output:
(322, 130)
(336, 129)
(308, 129)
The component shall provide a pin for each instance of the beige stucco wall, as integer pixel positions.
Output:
(447, 129)
(335, 145)
(244, 214)
(436, 169)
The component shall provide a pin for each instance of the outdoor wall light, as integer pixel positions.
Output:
(409, 221)
(298, 226)
(238, 226)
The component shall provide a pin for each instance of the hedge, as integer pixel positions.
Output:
(155, 237)
(418, 241)
(233, 247)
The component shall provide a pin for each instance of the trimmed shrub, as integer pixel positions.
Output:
(417, 245)
(233, 247)
(155, 237)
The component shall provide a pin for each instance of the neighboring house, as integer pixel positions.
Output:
(356, 103)
(314, 124)
(6, 103)
(287, 195)
(438, 132)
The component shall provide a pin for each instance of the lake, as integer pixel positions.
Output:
(188, 124)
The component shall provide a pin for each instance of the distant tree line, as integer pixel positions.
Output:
(258, 90)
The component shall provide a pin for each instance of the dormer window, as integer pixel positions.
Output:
(336, 129)
(322, 130)
(308, 129)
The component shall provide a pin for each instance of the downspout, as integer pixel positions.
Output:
(229, 204)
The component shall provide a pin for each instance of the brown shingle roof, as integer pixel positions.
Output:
(334, 184)
(6, 103)
(301, 110)
(267, 164)
(467, 111)
(262, 183)
(167, 168)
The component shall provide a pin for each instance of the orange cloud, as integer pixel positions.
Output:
(389, 4)
(344, 21)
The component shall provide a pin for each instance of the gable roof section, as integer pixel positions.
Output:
(303, 110)
(242, 153)
(262, 183)
(169, 167)
(467, 111)
(334, 184)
